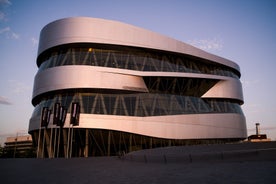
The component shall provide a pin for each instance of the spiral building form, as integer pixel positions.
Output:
(136, 89)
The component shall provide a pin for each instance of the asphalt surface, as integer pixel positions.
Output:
(247, 163)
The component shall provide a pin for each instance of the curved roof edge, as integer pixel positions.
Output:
(95, 30)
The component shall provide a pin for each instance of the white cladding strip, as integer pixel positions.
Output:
(226, 89)
(93, 30)
(192, 126)
(82, 76)
(70, 77)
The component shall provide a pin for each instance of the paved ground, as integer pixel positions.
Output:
(139, 167)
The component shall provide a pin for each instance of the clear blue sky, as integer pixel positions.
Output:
(243, 31)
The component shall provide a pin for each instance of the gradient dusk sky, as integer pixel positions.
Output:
(243, 31)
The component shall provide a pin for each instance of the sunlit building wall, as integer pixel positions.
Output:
(136, 89)
(18, 146)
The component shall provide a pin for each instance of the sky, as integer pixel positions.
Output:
(243, 31)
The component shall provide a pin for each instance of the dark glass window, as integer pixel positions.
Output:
(132, 59)
(140, 104)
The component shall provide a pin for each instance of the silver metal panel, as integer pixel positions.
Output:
(230, 88)
(93, 30)
(193, 126)
(69, 77)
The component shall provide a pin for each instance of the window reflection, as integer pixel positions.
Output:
(142, 104)
(133, 60)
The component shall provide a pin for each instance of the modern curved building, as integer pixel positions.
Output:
(136, 89)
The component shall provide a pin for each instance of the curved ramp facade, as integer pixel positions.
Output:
(136, 89)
